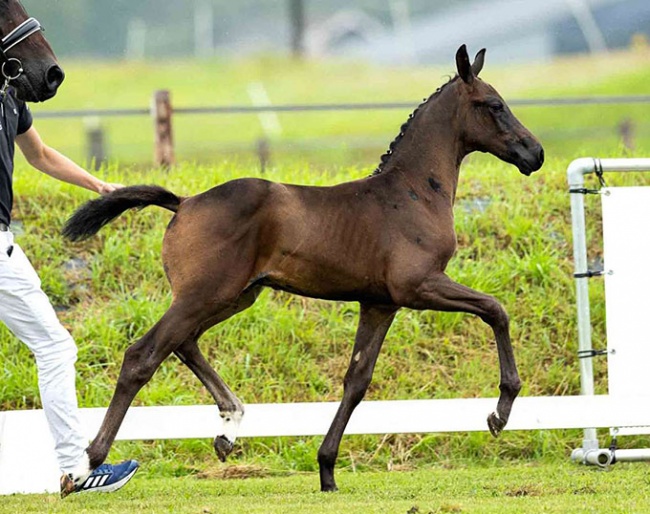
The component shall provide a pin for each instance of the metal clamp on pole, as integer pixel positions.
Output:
(589, 274)
(598, 170)
(588, 354)
(584, 191)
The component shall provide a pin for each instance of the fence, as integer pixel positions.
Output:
(164, 114)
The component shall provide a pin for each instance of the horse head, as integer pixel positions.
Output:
(27, 59)
(487, 121)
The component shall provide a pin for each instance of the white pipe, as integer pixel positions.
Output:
(575, 173)
(604, 457)
(593, 457)
(633, 455)
(575, 176)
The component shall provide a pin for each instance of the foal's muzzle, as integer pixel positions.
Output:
(527, 155)
(54, 77)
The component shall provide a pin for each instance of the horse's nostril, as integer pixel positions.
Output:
(54, 77)
(541, 154)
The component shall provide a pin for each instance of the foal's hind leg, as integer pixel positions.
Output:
(374, 323)
(141, 360)
(440, 293)
(231, 409)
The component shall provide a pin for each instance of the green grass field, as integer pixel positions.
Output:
(559, 488)
(514, 238)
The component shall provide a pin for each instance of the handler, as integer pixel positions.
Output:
(28, 313)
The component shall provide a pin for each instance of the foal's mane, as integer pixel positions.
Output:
(386, 156)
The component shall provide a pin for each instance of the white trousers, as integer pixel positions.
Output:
(28, 313)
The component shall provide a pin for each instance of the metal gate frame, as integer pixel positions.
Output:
(590, 453)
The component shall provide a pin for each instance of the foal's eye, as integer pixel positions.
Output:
(495, 107)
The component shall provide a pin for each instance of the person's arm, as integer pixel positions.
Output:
(57, 165)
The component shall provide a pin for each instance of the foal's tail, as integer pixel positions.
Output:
(93, 215)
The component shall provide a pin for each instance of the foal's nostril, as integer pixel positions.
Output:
(541, 155)
(54, 77)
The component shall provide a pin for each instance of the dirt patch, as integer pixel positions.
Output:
(235, 472)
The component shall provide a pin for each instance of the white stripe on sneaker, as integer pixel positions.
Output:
(103, 480)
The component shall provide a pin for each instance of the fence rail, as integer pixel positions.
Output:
(250, 109)
(162, 111)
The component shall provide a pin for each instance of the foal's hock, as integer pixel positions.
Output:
(383, 241)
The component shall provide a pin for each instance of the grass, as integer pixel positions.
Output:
(287, 348)
(560, 488)
(514, 237)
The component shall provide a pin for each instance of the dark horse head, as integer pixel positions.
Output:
(28, 62)
(489, 125)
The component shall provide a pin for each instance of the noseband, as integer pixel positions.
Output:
(11, 67)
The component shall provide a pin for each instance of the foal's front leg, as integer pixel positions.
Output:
(440, 293)
(374, 323)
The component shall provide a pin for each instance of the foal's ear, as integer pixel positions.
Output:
(479, 60)
(463, 66)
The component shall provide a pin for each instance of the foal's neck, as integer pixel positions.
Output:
(431, 149)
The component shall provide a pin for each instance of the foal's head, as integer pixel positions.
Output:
(26, 57)
(487, 124)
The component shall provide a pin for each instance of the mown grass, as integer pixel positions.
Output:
(558, 488)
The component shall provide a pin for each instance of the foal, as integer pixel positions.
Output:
(383, 241)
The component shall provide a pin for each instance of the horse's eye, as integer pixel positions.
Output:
(495, 107)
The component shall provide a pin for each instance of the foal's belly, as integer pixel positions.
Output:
(328, 285)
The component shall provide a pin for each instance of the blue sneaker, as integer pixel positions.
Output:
(105, 479)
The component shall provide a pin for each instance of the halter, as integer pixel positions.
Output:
(11, 67)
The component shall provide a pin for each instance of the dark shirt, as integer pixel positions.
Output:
(15, 119)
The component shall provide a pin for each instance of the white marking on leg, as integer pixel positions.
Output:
(357, 357)
(81, 471)
(231, 421)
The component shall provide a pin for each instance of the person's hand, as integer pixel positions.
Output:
(106, 187)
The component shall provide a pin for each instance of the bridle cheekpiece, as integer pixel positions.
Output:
(11, 67)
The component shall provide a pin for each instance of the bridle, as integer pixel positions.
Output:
(11, 67)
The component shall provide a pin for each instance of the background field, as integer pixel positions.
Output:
(340, 138)
(514, 242)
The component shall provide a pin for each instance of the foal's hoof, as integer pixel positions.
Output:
(495, 424)
(222, 447)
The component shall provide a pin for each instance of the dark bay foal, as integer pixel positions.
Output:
(383, 241)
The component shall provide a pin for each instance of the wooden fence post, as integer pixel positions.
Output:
(626, 131)
(163, 134)
(263, 153)
(96, 141)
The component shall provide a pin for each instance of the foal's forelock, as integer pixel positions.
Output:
(385, 158)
